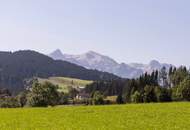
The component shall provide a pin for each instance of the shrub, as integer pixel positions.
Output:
(43, 95)
(97, 98)
(9, 102)
(22, 98)
(119, 99)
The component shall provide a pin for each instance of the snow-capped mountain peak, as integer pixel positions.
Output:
(57, 54)
(154, 63)
(92, 53)
(94, 60)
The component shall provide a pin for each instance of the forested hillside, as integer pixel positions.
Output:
(18, 66)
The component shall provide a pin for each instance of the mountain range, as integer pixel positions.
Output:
(94, 60)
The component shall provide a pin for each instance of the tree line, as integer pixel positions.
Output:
(158, 86)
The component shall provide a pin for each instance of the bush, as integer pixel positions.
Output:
(97, 98)
(119, 99)
(9, 102)
(22, 98)
(43, 95)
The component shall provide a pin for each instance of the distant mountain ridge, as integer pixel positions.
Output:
(94, 60)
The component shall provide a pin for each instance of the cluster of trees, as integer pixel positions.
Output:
(6, 100)
(159, 86)
(180, 83)
(46, 94)
(39, 95)
(151, 94)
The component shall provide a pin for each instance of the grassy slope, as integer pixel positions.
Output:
(169, 116)
(64, 83)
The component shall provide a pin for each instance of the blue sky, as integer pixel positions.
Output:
(126, 30)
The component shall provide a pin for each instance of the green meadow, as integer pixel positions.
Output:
(65, 83)
(166, 116)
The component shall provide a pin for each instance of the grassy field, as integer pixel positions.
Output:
(168, 116)
(64, 83)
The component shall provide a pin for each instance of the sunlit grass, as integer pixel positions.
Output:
(64, 83)
(166, 116)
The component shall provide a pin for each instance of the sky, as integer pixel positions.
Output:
(126, 30)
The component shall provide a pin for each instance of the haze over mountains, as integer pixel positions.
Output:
(93, 60)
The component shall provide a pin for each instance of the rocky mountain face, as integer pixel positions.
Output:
(94, 60)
